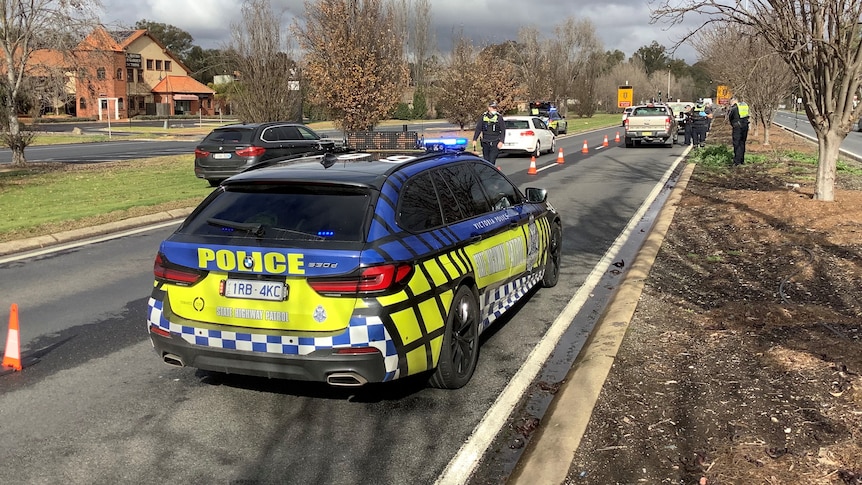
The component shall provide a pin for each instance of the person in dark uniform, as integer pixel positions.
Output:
(686, 120)
(493, 130)
(699, 125)
(738, 119)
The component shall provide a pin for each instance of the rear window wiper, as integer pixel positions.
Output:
(253, 228)
(259, 230)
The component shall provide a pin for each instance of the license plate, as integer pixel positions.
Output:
(647, 133)
(255, 290)
(221, 156)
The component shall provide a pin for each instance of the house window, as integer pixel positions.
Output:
(141, 104)
(167, 65)
(119, 74)
(158, 65)
(100, 73)
(149, 64)
(140, 75)
(130, 75)
(83, 103)
(120, 104)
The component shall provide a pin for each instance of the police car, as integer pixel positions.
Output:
(351, 270)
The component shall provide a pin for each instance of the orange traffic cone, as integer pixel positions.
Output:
(12, 356)
(617, 139)
(605, 142)
(532, 170)
(560, 158)
(585, 149)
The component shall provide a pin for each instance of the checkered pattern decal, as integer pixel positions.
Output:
(361, 332)
(495, 303)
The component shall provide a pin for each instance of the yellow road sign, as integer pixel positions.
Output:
(723, 94)
(625, 96)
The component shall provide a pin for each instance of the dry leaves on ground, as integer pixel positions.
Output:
(743, 363)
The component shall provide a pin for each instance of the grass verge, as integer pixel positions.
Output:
(44, 198)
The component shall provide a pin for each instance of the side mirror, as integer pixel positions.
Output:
(536, 195)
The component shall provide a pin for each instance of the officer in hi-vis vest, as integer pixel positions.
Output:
(738, 119)
(493, 130)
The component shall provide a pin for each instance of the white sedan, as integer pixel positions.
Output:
(528, 134)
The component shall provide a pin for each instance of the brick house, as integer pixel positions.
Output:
(123, 74)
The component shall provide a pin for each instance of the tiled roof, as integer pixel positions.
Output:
(99, 39)
(181, 84)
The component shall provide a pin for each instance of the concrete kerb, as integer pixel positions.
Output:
(40, 242)
(550, 453)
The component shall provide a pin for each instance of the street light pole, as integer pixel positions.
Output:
(668, 85)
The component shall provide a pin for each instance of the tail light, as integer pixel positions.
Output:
(373, 279)
(168, 272)
(667, 123)
(626, 124)
(251, 151)
(201, 153)
(528, 133)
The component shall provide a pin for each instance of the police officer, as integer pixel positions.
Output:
(493, 130)
(687, 120)
(699, 125)
(738, 119)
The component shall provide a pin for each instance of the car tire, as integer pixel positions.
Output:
(553, 145)
(537, 152)
(629, 143)
(555, 250)
(460, 351)
(214, 183)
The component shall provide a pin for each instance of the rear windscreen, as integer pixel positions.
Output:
(238, 136)
(310, 213)
(517, 124)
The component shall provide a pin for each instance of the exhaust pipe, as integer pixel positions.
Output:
(174, 360)
(345, 379)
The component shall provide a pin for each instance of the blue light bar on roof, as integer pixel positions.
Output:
(444, 144)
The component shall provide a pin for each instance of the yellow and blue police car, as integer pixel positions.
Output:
(350, 270)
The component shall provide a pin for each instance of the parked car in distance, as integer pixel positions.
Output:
(626, 114)
(349, 270)
(228, 150)
(651, 123)
(556, 122)
(528, 135)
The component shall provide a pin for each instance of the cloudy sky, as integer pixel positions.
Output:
(620, 24)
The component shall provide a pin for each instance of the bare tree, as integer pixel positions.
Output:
(29, 26)
(573, 48)
(819, 40)
(354, 59)
(533, 63)
(751, 68)
(267, 88)
(459, 90)
(423, 43)
(470, 80)
(631, 73)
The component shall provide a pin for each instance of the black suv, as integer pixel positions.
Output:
(230, 149)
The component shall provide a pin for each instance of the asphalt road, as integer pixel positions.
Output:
(797, 121)
(99, 407)
(126, 147)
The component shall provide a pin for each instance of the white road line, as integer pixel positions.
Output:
(462, 466)
(84, 242)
